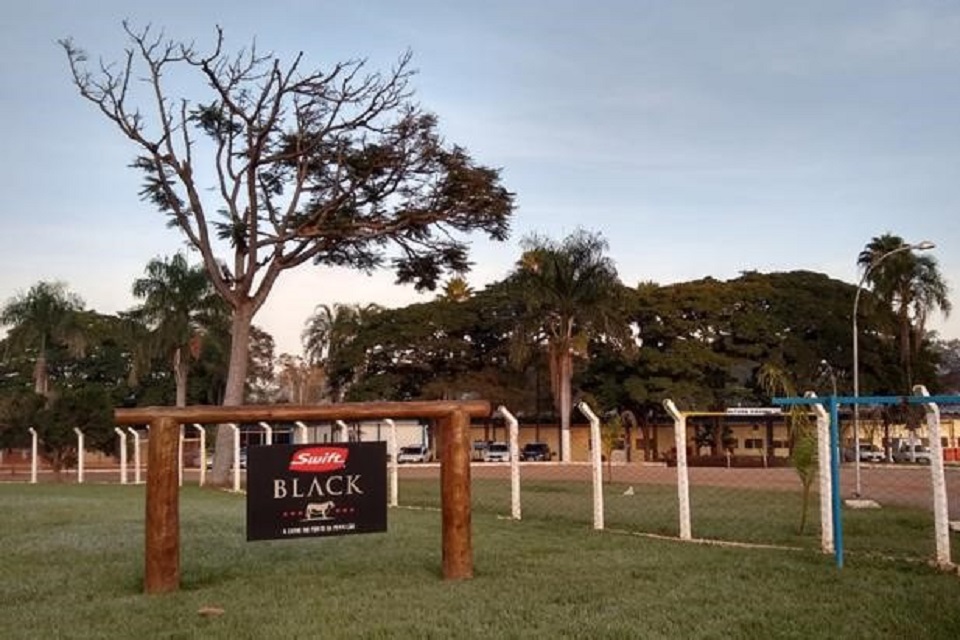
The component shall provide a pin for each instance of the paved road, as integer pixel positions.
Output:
(906, 485)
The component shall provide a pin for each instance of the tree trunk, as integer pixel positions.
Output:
(648, 441)
(629, 421)
(628, 442)
(566, 380)
(233, 396)
(805, 506)
(887, 447)
(181, 368)
(41, 379)
(905, 348)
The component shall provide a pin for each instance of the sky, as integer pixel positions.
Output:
(701, 138)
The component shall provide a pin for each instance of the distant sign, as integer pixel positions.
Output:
(753, 411)
(299, 491)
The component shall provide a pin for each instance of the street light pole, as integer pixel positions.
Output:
(920, 246)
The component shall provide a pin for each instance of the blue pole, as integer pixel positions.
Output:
(835, 481)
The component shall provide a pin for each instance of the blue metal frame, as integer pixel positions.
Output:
(835, 481)
(869, 400)
(834, 402)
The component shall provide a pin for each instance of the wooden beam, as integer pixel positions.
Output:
(202, 414)
(162, 552)
(455, 496)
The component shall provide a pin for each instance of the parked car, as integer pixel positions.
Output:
(869, 452)
(497, 452)
(243, 459)
(414, 453)
(479, 448)
(536, 451)
(912, 453)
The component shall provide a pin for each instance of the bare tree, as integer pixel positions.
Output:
(336, 166)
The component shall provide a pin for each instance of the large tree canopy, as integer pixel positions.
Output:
(278, 165)
(432, 350)
(702, 344)
(703, 341)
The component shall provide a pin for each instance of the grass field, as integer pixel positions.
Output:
(753, 516)
(72, 563)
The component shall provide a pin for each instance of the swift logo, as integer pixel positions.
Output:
(319, 459)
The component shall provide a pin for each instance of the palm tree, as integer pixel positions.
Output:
(45, 316)
(803, 436)
(571, 293)
(298, 381)
(456, 289)
(911, 285)
(332, 329)
(178, 303)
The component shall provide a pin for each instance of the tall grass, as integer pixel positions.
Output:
(72, 559)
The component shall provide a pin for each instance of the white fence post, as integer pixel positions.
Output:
(597, 464)
(180, 458)
(236, 456)
(146, 428)
(513, 428)
(268, 433)
(80, 456)
(344, 431)
(941, 518)
(683, 479)
(826, 483)
(393, 462)
(33, 455)
(136, 454)
(123, 454)
(302, 429)
(203, 452)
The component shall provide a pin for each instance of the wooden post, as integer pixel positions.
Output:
(454, 442)
(163, 510)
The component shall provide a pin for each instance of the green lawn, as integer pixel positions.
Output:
(72, 568)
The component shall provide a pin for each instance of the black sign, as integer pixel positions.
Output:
(297, 491)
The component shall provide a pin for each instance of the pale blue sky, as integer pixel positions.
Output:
(701, 138)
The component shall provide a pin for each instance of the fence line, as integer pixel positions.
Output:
(748, 506)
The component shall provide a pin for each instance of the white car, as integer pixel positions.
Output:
(415, 453)
(868, 453)
(243, 460)
(912, 453)
(497, 452)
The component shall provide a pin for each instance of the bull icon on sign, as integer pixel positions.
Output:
(319, 510)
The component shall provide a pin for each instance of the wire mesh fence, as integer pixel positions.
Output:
(740, 506)
(887, 508)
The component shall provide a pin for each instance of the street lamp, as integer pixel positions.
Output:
(920, 246)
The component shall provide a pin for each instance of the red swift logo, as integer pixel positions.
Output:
(319, 459)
